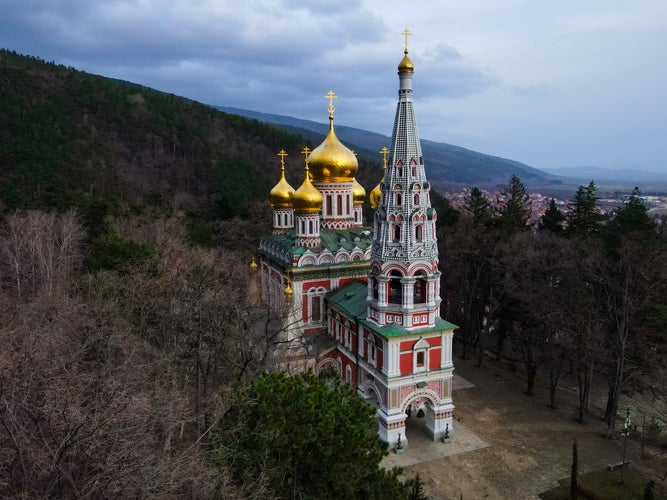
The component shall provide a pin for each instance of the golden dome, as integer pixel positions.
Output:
(281, 194)
(358, 193)
(331, 161)
(375, 195)
(406, 66)
(253, 265)
(307, 198)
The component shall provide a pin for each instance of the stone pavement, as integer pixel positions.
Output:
(423, 449)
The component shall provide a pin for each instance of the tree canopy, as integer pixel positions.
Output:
(305, 436)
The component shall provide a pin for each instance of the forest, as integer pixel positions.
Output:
(578, 290)
(137, 360)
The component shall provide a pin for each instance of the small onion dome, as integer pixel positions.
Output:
(375, 196)
(307, 198)
(281, 194)
(331, 161)
(358, 193)
(406, 66)
(288, 290)
(253, 265)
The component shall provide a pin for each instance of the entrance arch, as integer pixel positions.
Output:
(425, 415)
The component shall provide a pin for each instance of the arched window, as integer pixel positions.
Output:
(339, 202)
(419, 294)
(396, 288)
(420, 355)
(416, 199)
(398, 199)
(397, 233)
(418, 232)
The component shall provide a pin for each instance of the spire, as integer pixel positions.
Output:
(404, 258)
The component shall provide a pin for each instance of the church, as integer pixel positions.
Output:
(365, 300)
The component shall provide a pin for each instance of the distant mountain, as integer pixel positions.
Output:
(600, 174)
(447, 164)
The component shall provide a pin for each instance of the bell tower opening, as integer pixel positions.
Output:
(395, 288)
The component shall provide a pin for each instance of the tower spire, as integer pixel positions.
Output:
(405, 250)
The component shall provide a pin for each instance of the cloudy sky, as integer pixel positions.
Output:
(545, 82)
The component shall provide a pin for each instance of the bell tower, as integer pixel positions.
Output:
(404, 281)
(403, 292)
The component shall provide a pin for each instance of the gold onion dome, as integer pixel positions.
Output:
(375, 195)
(406, 66)
(281, 194)
(307, 198)
(358, 193)
(331, 161)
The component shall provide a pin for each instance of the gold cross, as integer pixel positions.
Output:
(306, 151)
(407, 33)
(282, 155)
(353, 152)
(384, 152)
(331, 96)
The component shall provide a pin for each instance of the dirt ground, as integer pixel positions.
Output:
(530, 444)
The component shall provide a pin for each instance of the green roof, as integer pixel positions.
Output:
(351, 301)
(332, 240)
(396, 330)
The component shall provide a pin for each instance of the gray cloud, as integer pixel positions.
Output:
(477, 76)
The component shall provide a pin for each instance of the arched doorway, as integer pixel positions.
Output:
(427, 419)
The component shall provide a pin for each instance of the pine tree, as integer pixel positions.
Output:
(513, 209)
(552, 219)
(478, 206)
(574, 487)
(584, 218)
(631, 220)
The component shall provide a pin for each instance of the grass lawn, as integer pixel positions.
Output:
(605, 485)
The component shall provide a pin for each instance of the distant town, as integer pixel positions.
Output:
(657, 205)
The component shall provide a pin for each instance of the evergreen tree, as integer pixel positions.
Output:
(417, 489)
(574, 487)
(478, 206)
(513, 208)
(584, 218)
(306, 436)
(552, 219)
(631, 220)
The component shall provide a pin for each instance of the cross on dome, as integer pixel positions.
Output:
(331, 96)
(305, 152)
(407, 33)
(282, 155)
(384, 152)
